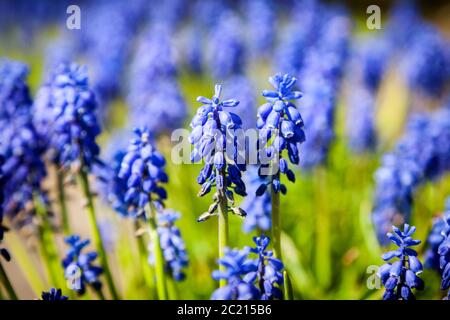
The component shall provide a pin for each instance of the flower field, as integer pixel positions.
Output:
(225, 150)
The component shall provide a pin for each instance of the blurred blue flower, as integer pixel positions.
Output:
(14, 92)
(241, 87)
(79, 266)
(401, 277)
(260, 19)
(258, 209)
(425, 65)
(65, 113)
(226, 48)
(421, 155)
(297, 36)
(360, 120)
(211, 127)
(23, 169)
(161, 110)
(269, 273)
(53, 295)
(143, 169)
(172, 244)
(320, 79)
(237, 265)
(444, 251)
(153, 60)
(434, 240)
(279, 118)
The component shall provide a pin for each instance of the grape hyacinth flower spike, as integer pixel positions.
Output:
(444, 253)
(401, 277)
(69, 109)
(142, 168)
(281, 128)
(215, 136)
(268, 275)
(78, 267)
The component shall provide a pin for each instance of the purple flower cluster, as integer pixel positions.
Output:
(422, 154)
(247, 278)
(401, 277)
(172, 244)
(142, 168)
(279, 119)
(444, 252)
(66, 114)
(320, 79)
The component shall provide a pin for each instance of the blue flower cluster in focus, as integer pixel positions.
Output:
(401, 277)
(279, 118)
(444, 252)
(143, 169)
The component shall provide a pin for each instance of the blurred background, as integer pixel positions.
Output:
(147, 62)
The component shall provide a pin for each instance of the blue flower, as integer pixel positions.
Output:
(65, 111)
(261, 23)
(154, 60)
(23, 169)
(401, 277)
(226, 55)
(161, 109)
(258, 209)
(444, 252)
(269, 273)
(143, 169)
(434, 240)
(53, 295)
(110, 186)
(247, 278)
(214, 129)
(421, 155)
(299, 34)
(241, 87)
(79, 266)
(237, 265)
(14, 92)
(425, 65)
(360, 120)
(172, 244)
(320, 79)
(279, 118)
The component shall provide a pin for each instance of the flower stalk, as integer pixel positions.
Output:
(7, 284)
(98, 242)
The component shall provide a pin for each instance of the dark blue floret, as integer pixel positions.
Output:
(53, 295)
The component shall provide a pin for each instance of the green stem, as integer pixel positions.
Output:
(288, 292)
(276, 224)
(159, 257)
(323, 253)
(8, 286)
(143, 257)
(47, 247)
(62, 203)
(172, 288)
(223, 224)
(98, 241)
